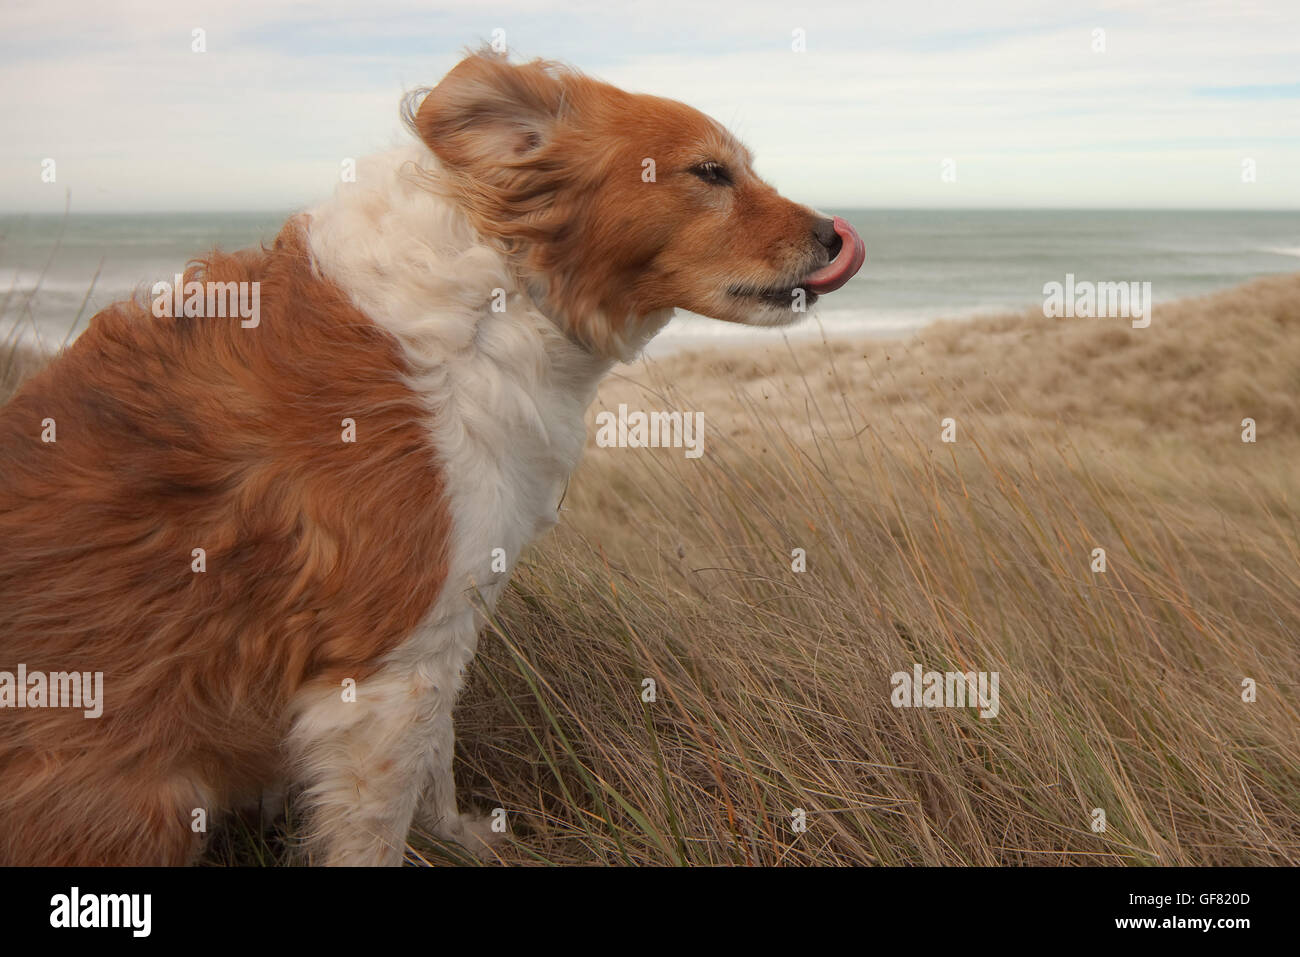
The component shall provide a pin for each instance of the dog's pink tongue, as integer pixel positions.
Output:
(853, 253)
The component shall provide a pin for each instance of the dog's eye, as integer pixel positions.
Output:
(715, 174)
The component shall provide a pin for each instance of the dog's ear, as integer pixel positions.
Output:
(487, 115)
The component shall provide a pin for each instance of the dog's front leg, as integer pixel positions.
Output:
(437, 810)
(359, 752)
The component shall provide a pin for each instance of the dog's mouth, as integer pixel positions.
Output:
(847, 257)
(781, 294)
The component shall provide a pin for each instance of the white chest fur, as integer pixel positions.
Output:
(505, 390)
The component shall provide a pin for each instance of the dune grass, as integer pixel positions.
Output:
(1120, 690)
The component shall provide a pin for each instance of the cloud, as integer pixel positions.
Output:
(1266, 91)
(1015, 94)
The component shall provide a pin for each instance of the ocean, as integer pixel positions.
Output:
(921, 264)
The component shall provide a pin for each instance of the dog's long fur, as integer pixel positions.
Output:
(329, 560)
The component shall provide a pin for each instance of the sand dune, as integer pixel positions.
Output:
(1121, 690)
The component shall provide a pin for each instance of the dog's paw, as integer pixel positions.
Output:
(471, 831)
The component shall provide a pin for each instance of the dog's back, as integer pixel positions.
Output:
(172, 435)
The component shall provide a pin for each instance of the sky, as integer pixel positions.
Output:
(902, 103)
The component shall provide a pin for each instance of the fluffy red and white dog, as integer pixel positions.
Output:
(459, 304)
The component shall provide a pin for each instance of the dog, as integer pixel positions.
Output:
(273, 541)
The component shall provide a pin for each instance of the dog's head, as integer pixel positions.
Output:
(619, 206)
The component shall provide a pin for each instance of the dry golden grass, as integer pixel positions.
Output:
(1120, 690)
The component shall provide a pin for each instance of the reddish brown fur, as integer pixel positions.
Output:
(321, 555)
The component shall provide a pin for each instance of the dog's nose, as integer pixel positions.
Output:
(826, 236)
